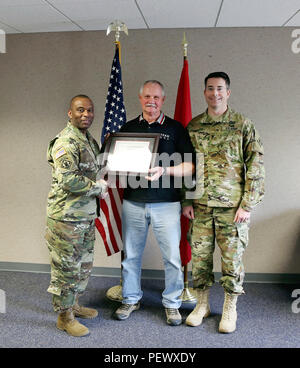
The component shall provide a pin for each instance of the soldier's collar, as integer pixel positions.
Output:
(224, 118)
(77, 132)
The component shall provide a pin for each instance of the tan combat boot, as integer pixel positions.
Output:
(201, 310)
(67, 322)
(229, 315)
(83, 312)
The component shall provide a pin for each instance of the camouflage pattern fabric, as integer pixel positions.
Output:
(212, 224)
(233, 177)
(71, 247)
(71, 211)
(73, 157)
(233, 160)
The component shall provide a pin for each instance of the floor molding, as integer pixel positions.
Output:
(284, 278)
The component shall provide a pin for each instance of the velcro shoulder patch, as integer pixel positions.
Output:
(60, 152)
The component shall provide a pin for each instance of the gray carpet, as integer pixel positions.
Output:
(265, 318)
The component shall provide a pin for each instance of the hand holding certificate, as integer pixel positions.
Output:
(155, 173)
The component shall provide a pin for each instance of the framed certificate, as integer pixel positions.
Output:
(130, 153)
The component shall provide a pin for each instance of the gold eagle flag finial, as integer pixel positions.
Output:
(117, 26)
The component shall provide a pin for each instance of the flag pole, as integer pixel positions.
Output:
(115, 292)
(188, 294)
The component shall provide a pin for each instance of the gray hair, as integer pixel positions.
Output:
(153, 81)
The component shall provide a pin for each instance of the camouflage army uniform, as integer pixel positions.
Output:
(71, 211)
(233, 178)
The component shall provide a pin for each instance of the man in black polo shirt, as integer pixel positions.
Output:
(156, 204)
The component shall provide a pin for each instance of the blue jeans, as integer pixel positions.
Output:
(165, 221)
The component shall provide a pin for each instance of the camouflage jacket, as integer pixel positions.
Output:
(232, 159)
(73, 157)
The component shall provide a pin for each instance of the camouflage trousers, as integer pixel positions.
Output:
(71, 247)
(216, 224)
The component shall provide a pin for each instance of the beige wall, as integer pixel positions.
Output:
(41, 72)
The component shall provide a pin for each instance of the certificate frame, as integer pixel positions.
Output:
(134, 147)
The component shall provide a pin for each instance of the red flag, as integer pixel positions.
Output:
(109, 224)
(183, 114)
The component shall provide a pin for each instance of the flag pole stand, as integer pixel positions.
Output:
(188, 295)
(115, 292)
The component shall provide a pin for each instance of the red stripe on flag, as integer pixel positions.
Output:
(102, 232)
(121, 191)
(115, 210)
(105, 210)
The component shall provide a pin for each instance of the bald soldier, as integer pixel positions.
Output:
(71, 212)
(233, 185)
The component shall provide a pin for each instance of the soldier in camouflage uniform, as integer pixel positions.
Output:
(71, 211)
(233, 185)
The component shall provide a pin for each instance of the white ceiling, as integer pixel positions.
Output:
(26, 16)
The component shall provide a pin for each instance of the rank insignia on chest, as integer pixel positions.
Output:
(232, 125)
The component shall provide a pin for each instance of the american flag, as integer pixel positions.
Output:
(109, 224)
